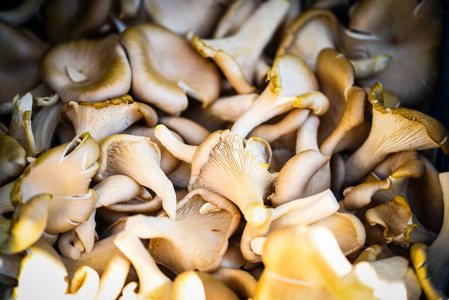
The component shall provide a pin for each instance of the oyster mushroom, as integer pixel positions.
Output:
(236, 55)
(394, 130)
(105, 118)
(201, 286)
(201, 17)
(166, 69)
(65, 172)
(291, 85)
(26, 226)
(87, 70)
(223, 165)
(303, 211)
(198, 238)
(139, 158)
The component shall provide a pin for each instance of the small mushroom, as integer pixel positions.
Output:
(236, 55)
(166, 69)
(65, 172)
(198, 238)
(223, 165)
(105, 118)
(87, 70)
(394, 130)
(153, 284)
(139, 158)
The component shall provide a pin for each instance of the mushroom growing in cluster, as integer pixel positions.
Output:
(235, 149)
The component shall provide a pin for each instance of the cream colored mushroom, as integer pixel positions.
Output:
(166, 69)
(197, 239)
(223, 165)
(236, 55)
(65, 172)
(394, 130)
(283, 93)
(139, 158)
(87, 70)
(105, 118)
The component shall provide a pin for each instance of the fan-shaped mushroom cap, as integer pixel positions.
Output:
(236, 55)
(347, 103)
(12, 158)
(168, 161)
(139, 158)
(26, 227)
(165, 68)
(290, 84)
(405, 165)
(21, 52)
(294, 178)
(400, 225)
(201, 286)
(197, 239)
(308, 34)
(105, 118)
(65, 172)
(87, 70)
(201, 17)
(118, 189)
(222, 164)
(406, 30)
(307, 263)
(394, 130)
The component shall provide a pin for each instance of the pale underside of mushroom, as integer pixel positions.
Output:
(229, 169)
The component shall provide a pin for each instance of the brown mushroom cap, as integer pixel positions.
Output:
(165, 68)
(87, 70)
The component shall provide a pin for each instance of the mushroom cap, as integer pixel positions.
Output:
(198, 238)
(223, 165)
(108, 117)
(201, 17)
(310, 32)
(87, 70)
(65, 172)
(139, 158)
(165, 68)
(236, 55)
(405, 30)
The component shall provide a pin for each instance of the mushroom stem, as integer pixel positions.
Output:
(153, 283)
(176, 147)
(114, 276)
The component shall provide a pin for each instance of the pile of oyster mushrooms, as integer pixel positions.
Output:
(205, 149)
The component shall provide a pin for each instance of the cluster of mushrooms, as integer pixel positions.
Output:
(205, 149)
